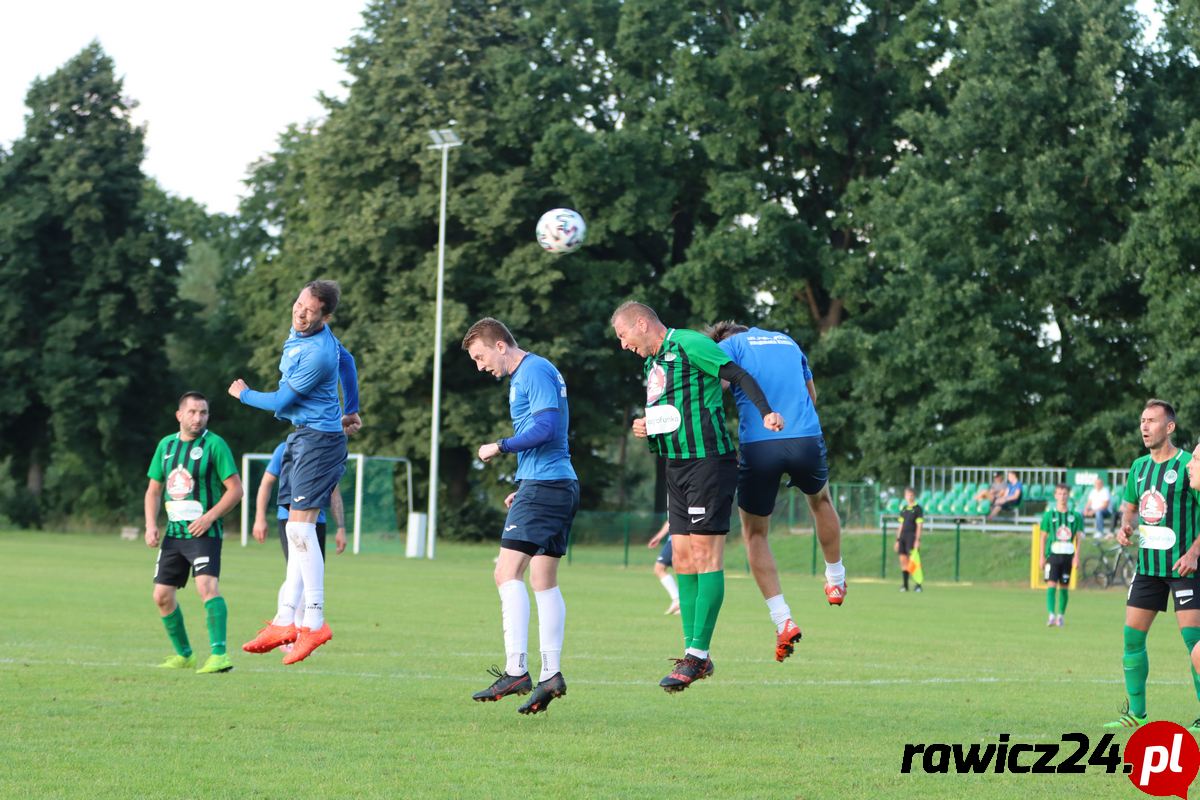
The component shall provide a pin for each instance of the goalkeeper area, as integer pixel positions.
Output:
(377, 493)
(384, 710)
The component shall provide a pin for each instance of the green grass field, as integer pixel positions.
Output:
(383, 711)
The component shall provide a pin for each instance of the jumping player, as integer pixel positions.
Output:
(313, 461)
(540, 511)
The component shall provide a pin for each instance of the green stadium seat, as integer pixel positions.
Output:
(893, 505)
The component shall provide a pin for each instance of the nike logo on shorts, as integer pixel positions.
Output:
(298, 499)
(508, 528)
(697, 519)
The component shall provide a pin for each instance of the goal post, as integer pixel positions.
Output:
(370, 491)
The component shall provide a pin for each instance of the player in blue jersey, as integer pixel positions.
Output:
(312, 363)
(540, 511)
(781, 369)
(262, 503)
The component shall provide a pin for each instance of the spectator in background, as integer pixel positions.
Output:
(994, 492)
(1014, 490)
(1099, 505)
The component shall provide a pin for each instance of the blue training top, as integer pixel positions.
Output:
(536, 386)
(309, 366)
(274, 467)
(776, 362)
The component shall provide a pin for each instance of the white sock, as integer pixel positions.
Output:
(835, 574)
(552, 623)
(693, 651)
(668, 582)
(780, 613)
(291, 595)
(514, 614)
(304, 548)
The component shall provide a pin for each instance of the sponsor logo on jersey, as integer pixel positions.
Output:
(179, 483)
(1152, 507)
(656, 384)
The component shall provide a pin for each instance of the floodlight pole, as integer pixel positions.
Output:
(443, 140)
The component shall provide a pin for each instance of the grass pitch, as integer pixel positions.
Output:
(384, 710)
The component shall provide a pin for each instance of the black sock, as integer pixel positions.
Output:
(906, 579)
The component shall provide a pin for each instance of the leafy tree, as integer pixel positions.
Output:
(1002, 308)
(88, 284)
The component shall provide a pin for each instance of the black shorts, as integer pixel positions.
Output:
(1058, 568)
(313, 463)
(283, 538)
(1151, 593)
(177, 556)
(539, 520)
(762, 465)
(700, 494)
(906, 540)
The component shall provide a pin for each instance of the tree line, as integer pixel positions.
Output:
(978, 219)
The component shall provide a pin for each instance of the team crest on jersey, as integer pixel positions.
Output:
(1064, 533)
(179, 484)
(656, 384)
(1152, 507)
(195, 453)
(669, 357)
(1170, 477)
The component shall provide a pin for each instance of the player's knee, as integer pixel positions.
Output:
(165, 600)
(821, 500)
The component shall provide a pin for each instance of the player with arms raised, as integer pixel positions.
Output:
(1161, 498)
(313, 462)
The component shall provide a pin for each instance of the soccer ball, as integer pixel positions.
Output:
(561, 230)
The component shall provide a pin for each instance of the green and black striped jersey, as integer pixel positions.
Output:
(1168, 512)
(683, 374)
(1061, 528)
(193, 474)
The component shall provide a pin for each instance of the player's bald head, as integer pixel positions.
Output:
(633, 310)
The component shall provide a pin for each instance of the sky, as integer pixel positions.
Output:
(216, 82)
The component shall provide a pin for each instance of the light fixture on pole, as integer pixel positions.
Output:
(443, 140)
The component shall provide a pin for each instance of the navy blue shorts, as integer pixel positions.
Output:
(313, 463)
(762, 465)
(664, 555)
(539, 520)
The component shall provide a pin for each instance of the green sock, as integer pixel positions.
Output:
(1190, 637)
(689, 587)
(218, 613)
(176, 632)
(708, 606)
(1050, 599)
(1062, 600)
(1137, 667)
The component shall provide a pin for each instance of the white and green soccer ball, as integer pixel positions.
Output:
(561, 230)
